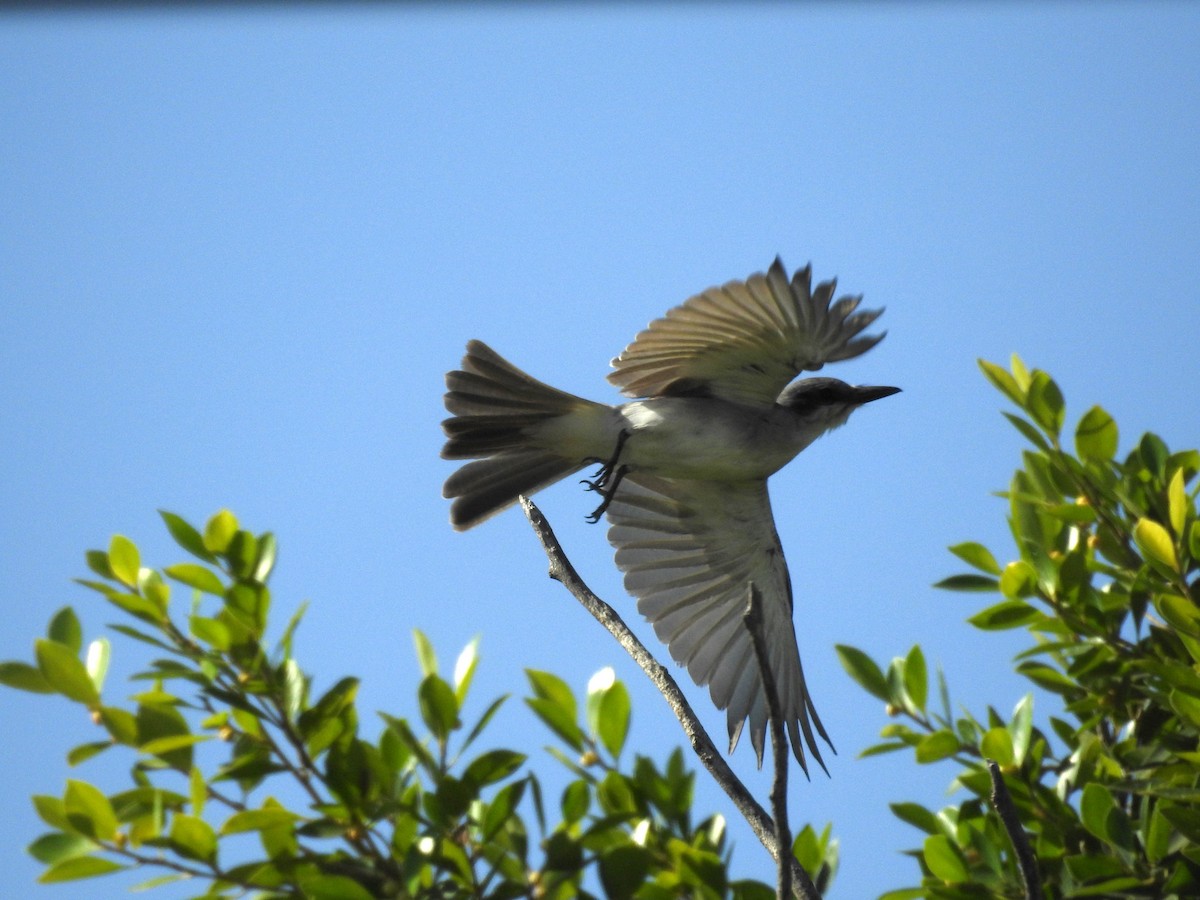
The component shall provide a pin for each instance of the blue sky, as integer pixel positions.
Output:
(240, 248)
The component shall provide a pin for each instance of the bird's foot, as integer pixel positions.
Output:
(609, 472)
(600, 487)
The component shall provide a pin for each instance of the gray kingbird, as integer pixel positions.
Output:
(683, 470)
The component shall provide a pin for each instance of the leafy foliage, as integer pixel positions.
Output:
(297, 803)
(1104, 584)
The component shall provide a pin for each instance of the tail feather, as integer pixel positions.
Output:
(487, 486)
(497, 410)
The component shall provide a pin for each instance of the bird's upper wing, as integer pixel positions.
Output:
(689, 551)
(746, 340)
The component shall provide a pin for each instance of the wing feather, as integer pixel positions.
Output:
(746, 340)
(689, 551)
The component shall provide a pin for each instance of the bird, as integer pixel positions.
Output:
(716, 408)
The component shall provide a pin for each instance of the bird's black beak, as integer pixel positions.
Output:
(865, 393)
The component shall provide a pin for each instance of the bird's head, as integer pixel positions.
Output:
(826, 403)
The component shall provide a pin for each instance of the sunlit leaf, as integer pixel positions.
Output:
(123, 560)
(864, 670)
(99, 653)
(1045, 403)
(65, 673)
(1002, 381)
(79, 867)
(195, 575)
(944, 860)
(89, 811)
(977, 555)
(186, 536)
(916, 678)
(1096, 435)
(219, 531)
(425, 654)
(939, 745)
(1155, 543)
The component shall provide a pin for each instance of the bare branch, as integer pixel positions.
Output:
(753, 619)
(563, 572)
(1026, 861)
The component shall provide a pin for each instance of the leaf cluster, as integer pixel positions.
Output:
(246, 780)
(1103, 581)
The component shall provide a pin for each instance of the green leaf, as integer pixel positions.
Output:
(219, 531)
(575, 801)
(977, 555)
(558, 720)
(1181, 613)
(917, 816)
(332, 887)
(614, 718)
(120, 723)
(97, 561)
(944, 860)
(24, 677)
(939, 745)
(55, 847)
(123, 559)
(916, 678)
(197, 576)
(193, 838)
(259, 820)
(1178, 505)
(1005, 615)
(213, 632)
(84, 752)
(268, 549)
(464, 669)
(1187, 706)
(65, 673)
(997, 745)
(1096, 436)
(89, 811)
(99, 653)
(1021, 728)
(967, 583)
(1004, 382)
(79, 867)
(1094, 808)
(863, 669)
(186, 536)
(623, 869)
(1155, 543)
(1045, 403)
(439, 706)
(156, 721)
(493, 766)
(1029, 431)
(197, 791)
(65, 629)
(1019, 580)
(425, 654)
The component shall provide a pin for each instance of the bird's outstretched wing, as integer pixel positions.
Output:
(689, 551)
(746, 340)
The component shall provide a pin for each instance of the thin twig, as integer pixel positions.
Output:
(753, 619)
(563, 572)
(1026, 861)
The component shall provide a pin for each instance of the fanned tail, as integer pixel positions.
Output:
(498, 413)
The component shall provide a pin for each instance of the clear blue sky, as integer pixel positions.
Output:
(239, 249)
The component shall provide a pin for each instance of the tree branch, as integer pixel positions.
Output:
(753, 619)
(1026, 861)
(563, 572)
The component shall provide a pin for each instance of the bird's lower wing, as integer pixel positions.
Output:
(689, 551)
